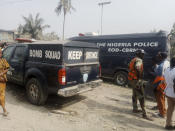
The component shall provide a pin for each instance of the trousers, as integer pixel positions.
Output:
(137, 94)
(170, 110)
(160, 98)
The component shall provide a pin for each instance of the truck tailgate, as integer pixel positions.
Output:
(82, 65)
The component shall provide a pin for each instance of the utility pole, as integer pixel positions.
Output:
(102, 4)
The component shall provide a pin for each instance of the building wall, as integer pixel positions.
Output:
(6, 36)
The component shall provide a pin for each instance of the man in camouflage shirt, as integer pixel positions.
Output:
(135, 76)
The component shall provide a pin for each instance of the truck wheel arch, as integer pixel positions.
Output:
(36, 75)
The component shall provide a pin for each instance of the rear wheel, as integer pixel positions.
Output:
(121, 78)
(35, 92)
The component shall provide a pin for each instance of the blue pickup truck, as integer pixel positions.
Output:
(116, 51)
(63, 68)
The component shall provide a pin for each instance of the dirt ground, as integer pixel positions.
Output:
(106, 108)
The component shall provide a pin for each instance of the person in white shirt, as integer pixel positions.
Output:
(165, 63)
(170, 93)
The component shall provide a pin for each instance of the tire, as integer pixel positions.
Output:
(35, 92)
(121, 78)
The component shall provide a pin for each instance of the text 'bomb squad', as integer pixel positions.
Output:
(71, 55)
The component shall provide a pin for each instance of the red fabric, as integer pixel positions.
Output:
(132, 71)
(162, 85)
(158, 78)
(160, 98)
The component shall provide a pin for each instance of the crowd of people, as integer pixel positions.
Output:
(163, 85)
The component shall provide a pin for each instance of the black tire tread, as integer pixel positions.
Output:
(125, 74)
(42, 94)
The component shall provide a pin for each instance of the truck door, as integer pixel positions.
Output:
(7, 53)
(17, 64)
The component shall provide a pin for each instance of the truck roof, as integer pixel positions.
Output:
(122, 36)
(64, 43)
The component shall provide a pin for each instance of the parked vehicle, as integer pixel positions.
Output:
(63, 68)
(116, 51)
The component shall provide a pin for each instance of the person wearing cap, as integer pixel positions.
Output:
(3, 79)
(159, 83)
(135, 76)
(170, 93)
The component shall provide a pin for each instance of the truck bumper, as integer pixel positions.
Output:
(81, 88)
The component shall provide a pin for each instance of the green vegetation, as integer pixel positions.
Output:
(64, 6)
(32, 26)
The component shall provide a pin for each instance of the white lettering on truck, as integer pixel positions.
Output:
(36, 53)
(91, 55)
(127, 46)
(146, 44)
(52, 54)
(101, 44)
(74, 55)
(119, 44)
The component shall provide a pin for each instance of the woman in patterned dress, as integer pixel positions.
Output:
(3, 79)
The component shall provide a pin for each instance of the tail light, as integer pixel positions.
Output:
(99, 70)
(62, 76)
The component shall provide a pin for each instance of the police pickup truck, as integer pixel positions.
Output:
(63, 68)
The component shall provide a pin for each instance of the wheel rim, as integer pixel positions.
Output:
(33, 90)
(121, 80)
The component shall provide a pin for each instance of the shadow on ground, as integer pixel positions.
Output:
(56, 102)
(149, 94)
(17, 95)
(122, 117)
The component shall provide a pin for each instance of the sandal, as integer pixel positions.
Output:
(5, 113)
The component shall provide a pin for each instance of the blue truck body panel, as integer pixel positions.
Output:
(116, 51)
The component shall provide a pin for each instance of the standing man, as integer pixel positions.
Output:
(134, 76)
(170, 94)
(159, 83)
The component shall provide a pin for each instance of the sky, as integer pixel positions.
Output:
(119, 17)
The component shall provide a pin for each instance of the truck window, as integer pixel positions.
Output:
(7, 52)
(19, 53)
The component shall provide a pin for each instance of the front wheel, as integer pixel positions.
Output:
(121, 78)
(35, 92)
